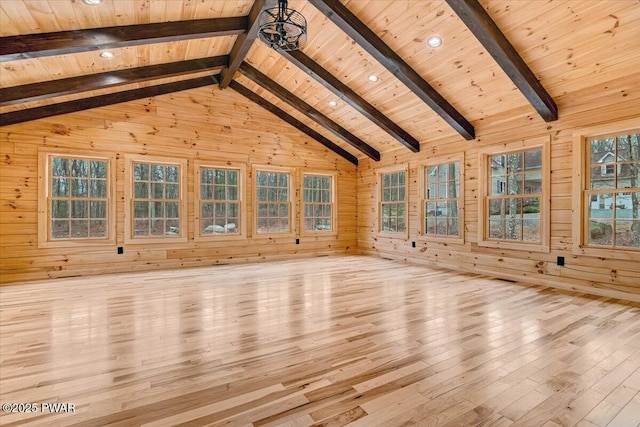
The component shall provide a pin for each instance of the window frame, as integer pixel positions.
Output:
(129, 238)
(459, 158)
(529, 144)
(44, 213)
(379, 188)
(580, 186)
(291, 200)
(242, 214)
(334, 204)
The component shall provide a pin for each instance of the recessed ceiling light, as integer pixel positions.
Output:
(373, 78)
(333, 103)
(434, 41)
(107, 54)
(92, 2)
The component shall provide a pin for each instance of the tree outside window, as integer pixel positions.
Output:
(393, 204)
(78, 198)
(514, 201)
(442, 200)
(318, 203)
(154, 195)
(273, 203)
(219, 201)
(514, 196)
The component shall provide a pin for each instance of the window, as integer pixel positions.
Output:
(611, 208)
(318, 203)
(76, 199)
(155, 197)
(514, 211)
(273, 201)
(392, 205)
(220, 210)
(442, 199)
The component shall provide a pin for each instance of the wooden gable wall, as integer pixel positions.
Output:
(204, 124)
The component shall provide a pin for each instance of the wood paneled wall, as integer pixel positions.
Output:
(607, 275)
(200, 124)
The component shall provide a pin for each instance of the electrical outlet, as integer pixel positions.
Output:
(120, 250)
(560, 261)
(413, 244)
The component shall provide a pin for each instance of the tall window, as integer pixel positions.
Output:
(318, 203)
(612, 194)
(273, 201)
(156, 199)
(78, 198)
(219, 201)
(515, 212)
(442, 200)
(392, 208)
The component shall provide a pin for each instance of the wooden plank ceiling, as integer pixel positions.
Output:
(499, 58)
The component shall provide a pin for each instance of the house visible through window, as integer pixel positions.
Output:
(612, 193)
(516, 193)
(393, 202)
(442, 200)
(318, 203)
(513, 204)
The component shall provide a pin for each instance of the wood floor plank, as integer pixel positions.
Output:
(328, 341)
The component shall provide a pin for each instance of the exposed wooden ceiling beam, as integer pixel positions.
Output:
(244, 41)
(308, 110)
(345, 93)
(292, 121)
(52, 88)
(13, 48)
(354, 28)
(103, 100)
(487, 32)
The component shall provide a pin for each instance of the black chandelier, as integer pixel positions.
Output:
(282, 28)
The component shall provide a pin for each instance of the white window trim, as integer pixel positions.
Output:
(542, 142)
(129, 238)
(579, 247)
(44, 224)
(241, 167)
(379, 172)
(334, 204)
(423, 191)
(292, 201)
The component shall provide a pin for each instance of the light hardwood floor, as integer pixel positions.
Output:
(326, 341)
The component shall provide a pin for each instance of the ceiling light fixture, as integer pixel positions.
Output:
(434, 41)
(107, 54)
(333, 103)
(282, 28)
(373, 78)
(92, 2)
